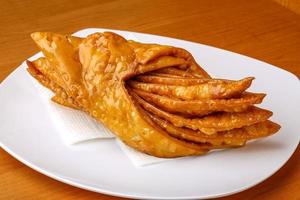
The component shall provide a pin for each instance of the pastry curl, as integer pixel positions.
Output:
(212, 123)
(210, 90)
(202, 107)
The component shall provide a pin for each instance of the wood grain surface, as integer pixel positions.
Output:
(293, 5)
(261, 29)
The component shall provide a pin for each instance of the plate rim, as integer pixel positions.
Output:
(133, 196)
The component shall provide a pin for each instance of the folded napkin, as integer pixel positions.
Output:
(76, 126)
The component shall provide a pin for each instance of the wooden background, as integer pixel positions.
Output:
(262, 29)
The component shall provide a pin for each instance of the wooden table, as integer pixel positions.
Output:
(260, 29)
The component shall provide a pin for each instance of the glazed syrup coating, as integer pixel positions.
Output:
(98, 74)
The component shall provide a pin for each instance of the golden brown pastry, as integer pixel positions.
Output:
(154, 98)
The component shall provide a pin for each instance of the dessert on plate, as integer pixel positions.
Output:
(155, 98)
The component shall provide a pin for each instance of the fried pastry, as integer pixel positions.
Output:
(204, 106)
(209, 90)
(155, 98)
(210, 124)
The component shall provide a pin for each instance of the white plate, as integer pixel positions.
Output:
(29, 135)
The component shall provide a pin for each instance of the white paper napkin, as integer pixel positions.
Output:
(76, 126)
